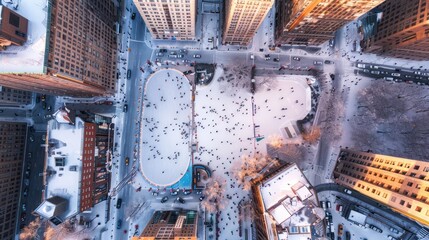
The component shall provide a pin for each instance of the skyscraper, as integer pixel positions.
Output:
(169, 19)
(313, 22)
(14, 97)
(12, 142)
(402, 184)
(403, 30)
(242, 19)
(72, 50)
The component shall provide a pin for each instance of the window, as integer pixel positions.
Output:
(409, 184)
(14, 20)
(418, 209)
(402, 202)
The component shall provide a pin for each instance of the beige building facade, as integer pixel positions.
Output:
(403, 31)
(242, 19)
(79, 58)
(169, 19)
(313, 22)
(400, 183)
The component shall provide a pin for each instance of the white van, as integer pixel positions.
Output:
(361, 65)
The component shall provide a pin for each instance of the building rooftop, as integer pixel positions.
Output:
(30, 57)
(64, 163)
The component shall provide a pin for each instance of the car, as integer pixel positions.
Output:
(210, 39)
(332, 76)
(159, 54)
(201, 198)
(163, 50)
(361, 65)
(119, 224)
(388, 78)
(127, 161)
(261, 49)
(49, 108)
(174, 193)
(394, 230)
(267, 57)
(348, 235)
(180, 200)
(276, 59)
(186, 61)
(24, 207)
(328, 62)
(296, 58)
(31, 138)
(373, 66)
(252, 56)
(128, 74)
(172, 56)
(347, 191)
(375, 72)
(27, 181)
(396, 74)
(184, 51)
(187, 72)
(328, 204)
(187, 192)
(119, 203)
(43, 97)
(43, 137)
(29, 155)
(23, 216)
(164, 199)
(391, 237)
(25, 191)
(375, 228)
(133, 16)
(155, 193)
(198, 176)
(125, 109)
(44, 105)
(339, 208)
(197, 56)
(323, 204)
(340, 230)
(180, 56)
(318, 63)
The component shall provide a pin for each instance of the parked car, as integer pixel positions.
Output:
(128, 74)
(172, 56)
(318, 63)
(202, 197)
(339, 208)
(24, 207)
(394, 230)
(328, 204)
(197, 56)
(184, 51)
(276, 59)
(347, 191)
(296, 58)
(267, 57)
(180, 56)
(174, 193)
(391, 237)
(323, 204)
(163, 50)
(375, 228)
(133, 16)
(187, 72)
(179, 199)
(340, 230)
(119, 224)
(159, 54)
(31, 138)
(164, 199)
(252, 56)
(127, 161)
(187, 192)
(125, 109)
(396, 74)
(119, 203)
(328, 62)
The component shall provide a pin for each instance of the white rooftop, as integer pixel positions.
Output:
(357, 217)
(166, 134)
(65, 183)
(280, 185)
(28, 58)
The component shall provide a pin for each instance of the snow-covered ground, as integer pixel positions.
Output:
(226, 129)
(166, 116)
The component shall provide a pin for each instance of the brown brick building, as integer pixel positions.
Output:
(313, 22)
(242, 19)
(403, 30)
(171, 225)
(13, 28)
(14, 97)
(402, 184)
(80, 54)
(12, 142)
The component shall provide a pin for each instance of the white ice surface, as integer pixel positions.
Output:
(166, 134)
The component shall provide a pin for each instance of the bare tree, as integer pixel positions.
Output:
(30, 231)
(251, 168)
(392, 119)
(214, 193)
(311, 135)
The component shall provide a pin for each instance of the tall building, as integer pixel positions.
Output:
(72, 51)
(13, 28)
(169, 19)
(77, 177)
(14, 97)
(12, 142)
(171, 225)
(313, 22)
(242, 19)
(399, 183)
(403, 30)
